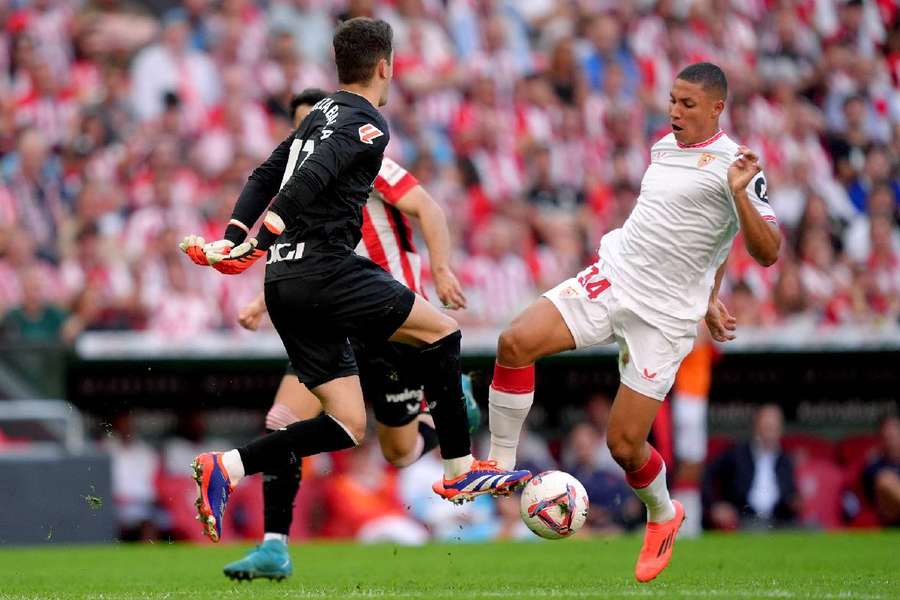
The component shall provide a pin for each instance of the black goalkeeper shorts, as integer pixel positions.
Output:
(389, 380)
(315, 317)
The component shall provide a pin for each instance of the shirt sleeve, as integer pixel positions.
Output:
(262, 185)
(758, 192)
(393, 181)
(359, 136)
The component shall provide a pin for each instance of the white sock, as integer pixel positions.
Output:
(454, 467)
(506, 426)
(234, 465)
(693, 507)
(509, 400)
(275, 536)
(656, 497)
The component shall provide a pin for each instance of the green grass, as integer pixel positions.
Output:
(819, 566)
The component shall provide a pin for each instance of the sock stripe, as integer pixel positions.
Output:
(647, 473)
(513, 380)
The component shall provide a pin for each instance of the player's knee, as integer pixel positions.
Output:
(353, 424)
(397, 455)
(626, 449)
(447, 326)
(512, 348)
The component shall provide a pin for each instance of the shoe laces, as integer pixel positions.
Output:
(485, 465)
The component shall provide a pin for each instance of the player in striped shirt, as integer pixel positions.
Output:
(387, 373)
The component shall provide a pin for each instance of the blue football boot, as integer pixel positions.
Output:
(269, 560)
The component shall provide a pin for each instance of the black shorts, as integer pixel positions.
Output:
(388, 376)
(315, 317)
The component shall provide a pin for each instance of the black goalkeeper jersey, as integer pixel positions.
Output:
(325, 170)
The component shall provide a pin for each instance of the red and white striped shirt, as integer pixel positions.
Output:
(387, 237)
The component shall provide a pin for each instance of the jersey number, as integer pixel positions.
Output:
(593, 287)
(297, 146)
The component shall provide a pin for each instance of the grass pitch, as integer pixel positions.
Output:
(820, 566)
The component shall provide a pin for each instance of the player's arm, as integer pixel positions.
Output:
(418, 203)
(254, 197)
(761, 234)
(327, 159)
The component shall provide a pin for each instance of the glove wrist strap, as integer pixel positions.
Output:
(271, 228)
(236, 232)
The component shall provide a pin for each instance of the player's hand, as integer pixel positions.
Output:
(250, 316)
(197, 250)
(720, 322)
(238, 260)
(448, 289)
(743, 169)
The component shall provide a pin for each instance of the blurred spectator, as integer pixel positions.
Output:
(35, 320)
(364, 501)
(613, 504)
(309, 23)
(511, 525)
(607, 49)
(187, 441)
(134, 467)
(32, 197)
(752, 484)
(745, 306)
(881, 478)
(471, 522)
(173, 66)
(497, 275)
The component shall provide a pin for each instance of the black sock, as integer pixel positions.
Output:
(440, 369)
(280, 487)
(285, 447)
(429, 436)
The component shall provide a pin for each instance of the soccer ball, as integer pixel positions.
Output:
(554, 505)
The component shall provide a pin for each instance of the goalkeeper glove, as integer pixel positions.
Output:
(196, 249)
(239, 258)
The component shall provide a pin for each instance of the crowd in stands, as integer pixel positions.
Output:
(125, 125)
(767, 480)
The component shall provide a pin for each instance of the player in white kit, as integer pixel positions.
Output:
(656, 277)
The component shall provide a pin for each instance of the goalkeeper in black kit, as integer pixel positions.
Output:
(319, 291)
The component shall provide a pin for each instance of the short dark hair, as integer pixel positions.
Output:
(358, 46)
(708, 75)
(309, 96)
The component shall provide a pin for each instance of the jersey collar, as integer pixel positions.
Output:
(719, 134)
(369, 102)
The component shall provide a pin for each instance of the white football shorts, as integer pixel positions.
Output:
(597, 313)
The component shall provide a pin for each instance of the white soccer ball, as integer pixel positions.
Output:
(554, 505)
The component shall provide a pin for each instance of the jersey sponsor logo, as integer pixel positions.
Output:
(705, 159)
(276, 254)
(406, 395)
(369, 132)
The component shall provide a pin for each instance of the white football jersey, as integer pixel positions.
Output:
(665, 256)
